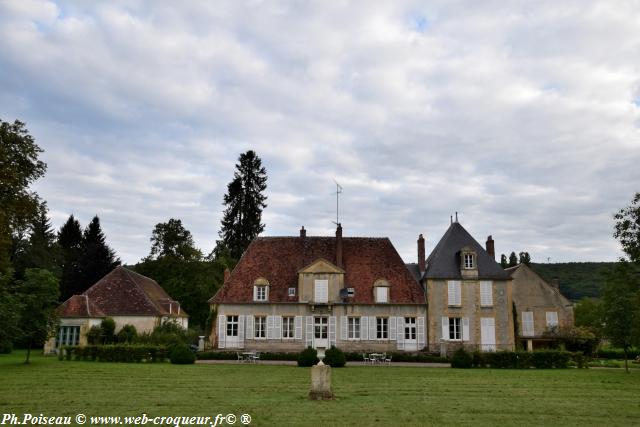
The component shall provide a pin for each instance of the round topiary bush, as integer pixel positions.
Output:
(335, 358)
(308, 357)
(462, 359)
(181, 354)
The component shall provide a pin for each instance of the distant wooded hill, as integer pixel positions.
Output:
(577, 279)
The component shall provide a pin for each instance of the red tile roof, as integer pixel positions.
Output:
(278, 259)
(122, 292)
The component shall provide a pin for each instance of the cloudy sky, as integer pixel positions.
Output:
(523, 118)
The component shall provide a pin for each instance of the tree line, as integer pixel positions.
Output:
(40, 267)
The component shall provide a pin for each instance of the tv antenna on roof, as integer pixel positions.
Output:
(338, 192)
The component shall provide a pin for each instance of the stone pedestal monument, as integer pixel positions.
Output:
(320, 380)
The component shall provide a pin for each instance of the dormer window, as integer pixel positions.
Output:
(469, 261)
(261, 290)
(381, 291)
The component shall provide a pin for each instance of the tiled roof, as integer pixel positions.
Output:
(444, 260)
(278, 259)
(122, 292)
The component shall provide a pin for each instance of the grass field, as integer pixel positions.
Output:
(365, 396)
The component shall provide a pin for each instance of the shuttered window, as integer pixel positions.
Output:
(454, 292)
(288, 327)
(321, 291)
(552, 319)
(527, 324)
(260, 327)
(382, 294)
(382, 328)
(260, 293)
(455, 328)
(232, 326)
(486, 293)
(353, 328)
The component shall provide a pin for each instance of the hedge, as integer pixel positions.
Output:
(616, 353)
(123, 353)
(544, 359)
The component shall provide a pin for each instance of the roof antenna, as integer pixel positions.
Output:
(456, 216)
(338, 192)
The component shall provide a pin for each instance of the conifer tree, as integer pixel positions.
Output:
(503, 261)
(70, 243)
(41, 249)
(96, 257)
(513, 259)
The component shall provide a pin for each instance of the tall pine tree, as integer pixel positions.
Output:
(41, 248)
(96, 257)
(70, 243)
(244, 203)
(513, 259)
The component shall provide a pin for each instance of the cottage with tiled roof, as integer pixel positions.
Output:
(127, 297)
(469, 294)
(287, 293)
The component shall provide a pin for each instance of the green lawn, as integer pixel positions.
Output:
(276, 395)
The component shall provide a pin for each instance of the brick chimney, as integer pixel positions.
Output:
(339, 245)
(422, 265)
(227, 273)
(303, 233)
(491, 249)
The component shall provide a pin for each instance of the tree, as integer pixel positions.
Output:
(627, 229)
(172, 239)
(38, 293)
(588, 313)
(19, 168)
(41, 249)
(513, 259)
(96, 257)
(503, 261)
(244, 202)
(70, 243)
(525, 258)
(9, 313)
(621, 302)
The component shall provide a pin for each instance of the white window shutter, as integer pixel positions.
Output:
(486, 293)
(372, 328)
(465, 329)
(392, 328)
(343, 328)
(277, 327)
(527, 324)
(222, 330)
(297, 324)
(332, 331)
(364, 328)
(255, 293)
(321, 291)
(241, 320)
(445, 328)
(270, 327)
(420, 333)
(454, 292)
(552, 318)
(400, 333)
(309, 332)
(249, 322)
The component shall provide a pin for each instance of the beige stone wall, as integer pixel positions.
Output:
(320, 270)
(501, 311)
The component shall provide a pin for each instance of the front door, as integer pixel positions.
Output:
(410, 335)
(488, 334)
(321, 332)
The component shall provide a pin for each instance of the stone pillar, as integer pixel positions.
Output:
(201, 343)
(529, 345)
(321, 383)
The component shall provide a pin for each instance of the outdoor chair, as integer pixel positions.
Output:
(366, 358)
(388, 360)
(255, 357)
(240, 357)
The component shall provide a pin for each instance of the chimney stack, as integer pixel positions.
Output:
(339, 245)
(303, 233)
(491, 249)
(421, 256)
(227, 273)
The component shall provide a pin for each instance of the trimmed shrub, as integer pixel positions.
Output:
(616, 353)
(334, 357)
(113, 353)
(461, 359)
(181, 354)
(108, 328)
(308, 357)
(478, 359)
(94, 334)
(128, 334)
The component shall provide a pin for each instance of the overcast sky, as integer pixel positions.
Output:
(523, 118)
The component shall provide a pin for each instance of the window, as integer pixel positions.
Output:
(552, 319)
(469, 262)
(527, 324)
(292, 292)
(382, 294)
(353, 328)
(382, 328)
(486, 294)
(260, 327)
(260, 293)
(455, 329)
(68, 335)
(288, 327)
(409, 328)
(321, 291)
(455, 292)
(232, 326)
(321, 331)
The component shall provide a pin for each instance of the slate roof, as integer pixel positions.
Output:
(122, 292)
(278, 259)
(444, 260)
(414, 270)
